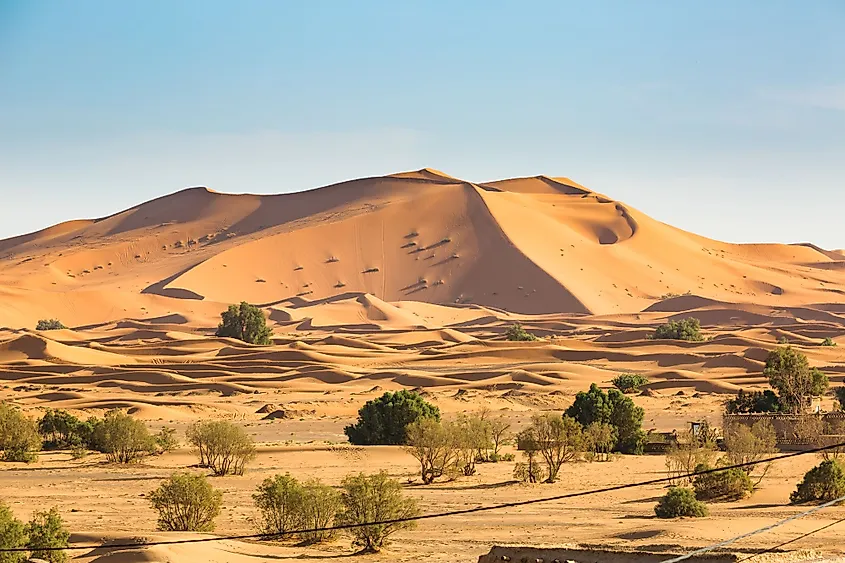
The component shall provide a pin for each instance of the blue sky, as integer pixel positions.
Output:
(726, 118)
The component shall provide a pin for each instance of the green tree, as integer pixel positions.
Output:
(60, 429)
(600, 439)
(222, 446)
(591, 406)
(47, 530)
(516, 333)
(12, 536)
(825, 482)
(122, 438)
(245, 322)
(186, 503)
(678, 502)
(753, 402)
(432, 444)
(557, 439)
(684, 329)
(374, 498)
(789, 373)
(384, 421)
(49, 324)
(629, 382)
(839, 392)
(746, 445)
(279, 499)
(612, 408)
(19, 438)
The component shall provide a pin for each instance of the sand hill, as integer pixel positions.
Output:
(529, 245)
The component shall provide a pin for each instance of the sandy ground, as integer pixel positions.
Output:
(405, 281)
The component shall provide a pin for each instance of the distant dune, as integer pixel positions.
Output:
(527, 245)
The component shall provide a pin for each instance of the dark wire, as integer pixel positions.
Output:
(435, 514)
(793, 540)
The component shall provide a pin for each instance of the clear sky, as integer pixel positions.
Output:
(726, 118)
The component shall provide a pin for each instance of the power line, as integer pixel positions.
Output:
(793, 540)
(434, 515)
(755, 532)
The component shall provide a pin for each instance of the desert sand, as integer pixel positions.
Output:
(402, 281)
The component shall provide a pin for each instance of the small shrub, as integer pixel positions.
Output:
(746, 445)
(433, 446)
(556, 439)
(384, 421)
(47, 530)
(19, 438)
(166, 440)
(516, 333)
(531, 471)
(222, 446)
(728, 485)
(828, 342)
(49, 324)
(12, 536)
(680, 502)
(683, 457)
(279, 500)
(754, 402)
(246, 323)
(320, 505)
(374, 498)
(686, 329)
(629, 382)
(186, 503)
(122, 438)
(825, 482)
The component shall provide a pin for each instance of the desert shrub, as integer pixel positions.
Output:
(384, 421)
(122, 438)
(629, 382)
(374, 498)
(186, 503)
(245, 322)
(222, 446)
(790, 375)
(432, 444)
(12, 536)
(753, 402)
(49, 324)
(320, 505)
(678, 502)
(279, 500)
(166, 440)
(684, 329)
(556, 439)
(60, 429)
(499, 435)
(746, 445)
(47, 530)
(828, 342)
(530, 471)
(727, 485)
(19, 438)
(825, 482)
(599, 440)
(516, 333)
(613, 408)
(689, 452)
(472, 440)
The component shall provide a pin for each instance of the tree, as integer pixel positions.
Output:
(678, 502)
(432, 444)
(12, 536)
(222, 446)
(374, 498)
(685, 329)
(591, 406)
(789, 373)
(825, 482)
(320, 505)
(122, 438)
(471, 439)
(384, 421)
(629, 382)
(47, 530)
(245, 322)
(840, 397)
(612, 408)
(60, 429)
(279, 500)
(746, 445)
(753, 402)
(516, 333)
(186, 503)
(600, 439)
(557, 439)
(19, 438)
(683, 457)
(499, 434)
(49, 324)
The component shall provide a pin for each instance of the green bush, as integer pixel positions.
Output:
(828, 342)
(685, 329)
(245, 322)
(679, 502)
(728, 485)
(222, 446)
(12, 536)
(384, 421)
(186, 503)
(613, 408)
(825, 482)
(600, 439)
(790, 375)
(516, 333)
(629, 382)
(62, 430)
(166, 440)
(19, 438)
(47, 530)
(753, 402)
(49, 324)
(287, 505)
(374, 498)
(122, 438)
